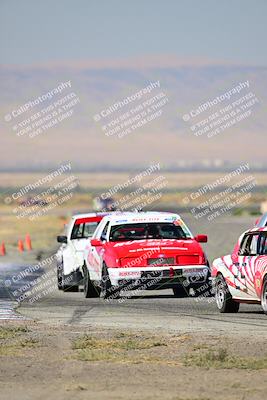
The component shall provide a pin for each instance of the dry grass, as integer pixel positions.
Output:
(14, 340)
(108, 179)
(11, 332)
(132, 348)
(43, 231)
(221, 359)
(120, 348)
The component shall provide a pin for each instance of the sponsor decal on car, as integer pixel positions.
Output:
(194, 271)
(133, 274)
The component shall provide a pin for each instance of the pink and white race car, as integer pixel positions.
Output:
(241, 277)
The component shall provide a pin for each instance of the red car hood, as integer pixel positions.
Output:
(154, 248)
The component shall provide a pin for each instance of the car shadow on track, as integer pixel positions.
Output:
(256, 312)
(153, 296)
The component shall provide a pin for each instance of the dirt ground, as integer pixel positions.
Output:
(38, 361)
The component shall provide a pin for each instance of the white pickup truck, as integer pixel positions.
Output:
(70, 254)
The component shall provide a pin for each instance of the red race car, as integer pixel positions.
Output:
(145, 250)
(241, 277)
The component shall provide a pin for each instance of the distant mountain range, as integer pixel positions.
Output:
(167, 138)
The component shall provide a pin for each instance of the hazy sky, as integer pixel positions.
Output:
(38, 31)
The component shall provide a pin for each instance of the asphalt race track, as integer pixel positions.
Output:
(153, 310)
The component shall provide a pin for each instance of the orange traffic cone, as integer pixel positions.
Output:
(3, 249)
(20, 245)
(28, 242)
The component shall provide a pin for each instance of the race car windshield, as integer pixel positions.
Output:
(143, 231)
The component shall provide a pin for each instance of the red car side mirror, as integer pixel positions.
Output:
(201, 238)
(96, 242)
